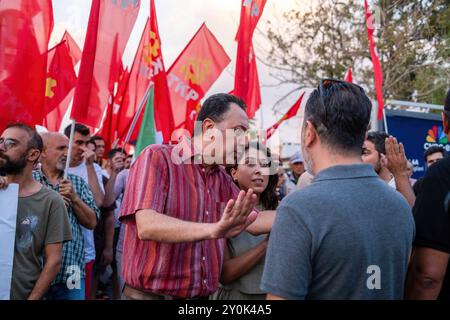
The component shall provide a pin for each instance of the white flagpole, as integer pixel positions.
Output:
(69, 153)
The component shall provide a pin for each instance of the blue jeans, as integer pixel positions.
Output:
(60, 291)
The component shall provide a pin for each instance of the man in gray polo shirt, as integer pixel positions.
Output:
(347, 235)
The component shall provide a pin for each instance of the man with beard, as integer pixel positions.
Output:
(81, 209)
(42, 223)
(392, 167)
(347, 235)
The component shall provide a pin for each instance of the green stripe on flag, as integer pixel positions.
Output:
(147, 133)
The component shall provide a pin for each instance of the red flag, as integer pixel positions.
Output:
(246, 84)
(72, 46)
(193, 73)
(377, 71)
(162, 103)
(25, 28)
(127, 103)
(148, 69)
(109, 128)
(54, 119)
(110, 25)
(253, 98)
(349, 76)
(292, 112)
(61, 77)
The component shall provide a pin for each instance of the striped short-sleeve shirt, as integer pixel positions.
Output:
(183, 191)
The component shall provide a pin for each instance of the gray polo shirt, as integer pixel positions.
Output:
(348, 235)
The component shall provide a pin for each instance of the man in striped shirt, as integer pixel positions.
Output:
(180, 206)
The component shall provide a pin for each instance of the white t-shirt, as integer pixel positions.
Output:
(392, 183)
(89, 245)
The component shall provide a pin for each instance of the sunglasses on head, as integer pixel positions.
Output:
(327, 85)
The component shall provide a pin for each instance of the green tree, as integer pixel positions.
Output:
(412, 38)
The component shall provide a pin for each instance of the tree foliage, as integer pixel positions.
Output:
(412, 39)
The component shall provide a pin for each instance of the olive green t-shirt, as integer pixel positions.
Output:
(41, 219)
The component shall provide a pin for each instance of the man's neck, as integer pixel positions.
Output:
(296, 176)
(328, 160)
(27, 185)
(53, 175)
(74, 163)
(385, 175)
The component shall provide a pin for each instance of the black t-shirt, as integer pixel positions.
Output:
(417, 186)
(432, 220)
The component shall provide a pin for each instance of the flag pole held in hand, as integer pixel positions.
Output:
(69, 153)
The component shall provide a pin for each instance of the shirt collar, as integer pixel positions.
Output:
(346, 172)
(195, 155)
(44, 178)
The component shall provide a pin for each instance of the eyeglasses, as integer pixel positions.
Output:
(9, 143)
(328, 84)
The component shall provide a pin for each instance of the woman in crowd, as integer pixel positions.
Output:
(244, 254)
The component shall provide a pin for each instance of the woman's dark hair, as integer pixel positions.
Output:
(268, 198)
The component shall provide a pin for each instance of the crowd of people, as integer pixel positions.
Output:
(344, 219)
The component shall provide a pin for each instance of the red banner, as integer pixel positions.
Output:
(54, 119)
(127, 103)
(349, 76)
(61, 76)
(110, 25)
(148, 69)
(162, 103)
(109, 128)
(246, 84)
(72, 46)
(193, 73)
(292, 112)
(377, 71)
(25, 28)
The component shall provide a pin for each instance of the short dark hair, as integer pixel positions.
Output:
(79, 127)
(378, 138)
(115, 151)
(35, 141)
(341, 118)
(95, 138)
(217, 105)
(432, 150)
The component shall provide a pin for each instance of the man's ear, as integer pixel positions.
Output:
(43, 153)
(207, 124)
(309, 135)
(445, 123)
(233, 172)
(33, 155)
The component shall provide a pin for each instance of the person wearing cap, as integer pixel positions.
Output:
(297, 167)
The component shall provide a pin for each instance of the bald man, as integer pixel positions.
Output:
(82, 211)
